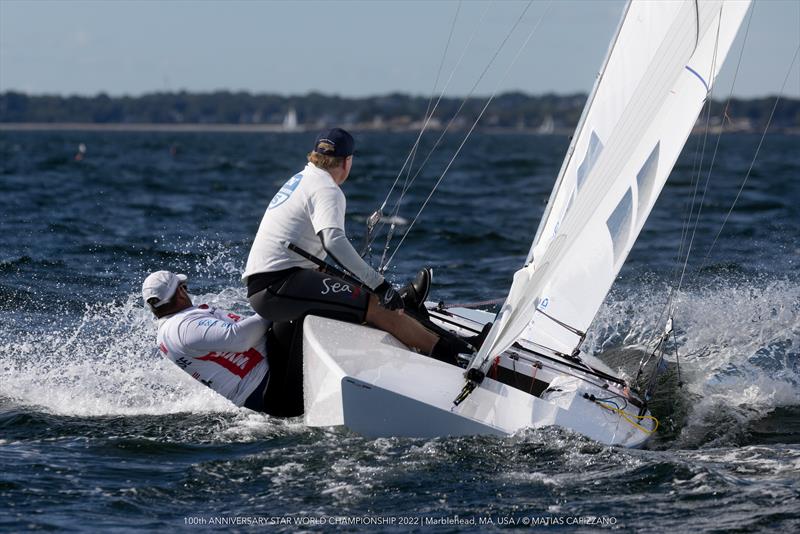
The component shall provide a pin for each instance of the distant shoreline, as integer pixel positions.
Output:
(139, 127)
(277, 128)
(225, 128)
(226, 112)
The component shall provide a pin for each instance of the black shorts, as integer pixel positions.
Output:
(305, 292)
(280, 393)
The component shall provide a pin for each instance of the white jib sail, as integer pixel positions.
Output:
(656, 77)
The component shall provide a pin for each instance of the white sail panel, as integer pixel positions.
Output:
(656, 79)
(642, 29)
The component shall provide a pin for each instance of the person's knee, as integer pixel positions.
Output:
(260, 304)
(380, 316)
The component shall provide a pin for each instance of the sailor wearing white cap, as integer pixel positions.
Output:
(218, 348)
(161, 285)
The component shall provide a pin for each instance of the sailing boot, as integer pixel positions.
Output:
(416, 292)
(477, 341)
(448, 348)
(451, 345)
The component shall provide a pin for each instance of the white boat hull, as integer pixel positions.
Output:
(366, 380)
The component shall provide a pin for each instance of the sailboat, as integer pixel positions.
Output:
(530, 371)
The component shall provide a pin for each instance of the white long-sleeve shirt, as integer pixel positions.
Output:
(308, 207)
(218, 348)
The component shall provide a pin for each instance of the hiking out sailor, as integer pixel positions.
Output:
(221, 349)
(308, 211)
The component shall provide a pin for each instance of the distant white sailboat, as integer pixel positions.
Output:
(530, 372)
(290, 120)
(547, 126)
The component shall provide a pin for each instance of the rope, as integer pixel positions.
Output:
(480, 115)
(753, 162)
(627, 417)
(563, 324)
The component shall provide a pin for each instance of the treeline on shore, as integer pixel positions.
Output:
(544, 113)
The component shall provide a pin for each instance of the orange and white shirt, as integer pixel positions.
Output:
(221, 349)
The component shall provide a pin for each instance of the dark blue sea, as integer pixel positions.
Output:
(98, 433)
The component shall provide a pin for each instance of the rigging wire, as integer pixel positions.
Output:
(428, 112)
(705, 136)
(429, 116)
(408, 183)
(669, 308)
(725, 116)
(452, 73)
(376, 217)
(455, 116)
(752, 163)
(698, 170)
(480, 115)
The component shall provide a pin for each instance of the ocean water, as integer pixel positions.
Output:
(97, 433)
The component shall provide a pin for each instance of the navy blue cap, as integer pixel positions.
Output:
(336, 142)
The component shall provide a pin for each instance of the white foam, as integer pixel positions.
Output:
(251, 426)
(736, 341)
(103, 364)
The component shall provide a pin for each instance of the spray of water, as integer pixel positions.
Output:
(105, 363)
(739, 344)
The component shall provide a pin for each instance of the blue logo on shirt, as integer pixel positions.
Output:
(286, 191)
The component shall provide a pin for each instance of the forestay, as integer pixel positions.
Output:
(655, 79)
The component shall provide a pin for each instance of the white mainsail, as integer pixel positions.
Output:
(657, 75)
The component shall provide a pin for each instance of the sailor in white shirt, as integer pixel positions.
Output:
(309, 212)
(220, 349)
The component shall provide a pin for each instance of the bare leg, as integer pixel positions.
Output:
(401, 326)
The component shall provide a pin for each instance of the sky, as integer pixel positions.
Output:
(348, 48)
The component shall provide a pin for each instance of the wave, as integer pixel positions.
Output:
(738, 345)
(105, 363)
(17, 263)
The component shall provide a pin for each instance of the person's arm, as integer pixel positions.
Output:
(338, 246)
(216, 335)
(327, 216)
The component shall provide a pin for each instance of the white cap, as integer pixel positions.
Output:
(161, 285)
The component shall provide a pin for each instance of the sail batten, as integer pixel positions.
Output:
(578, 129)
(632, 130)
